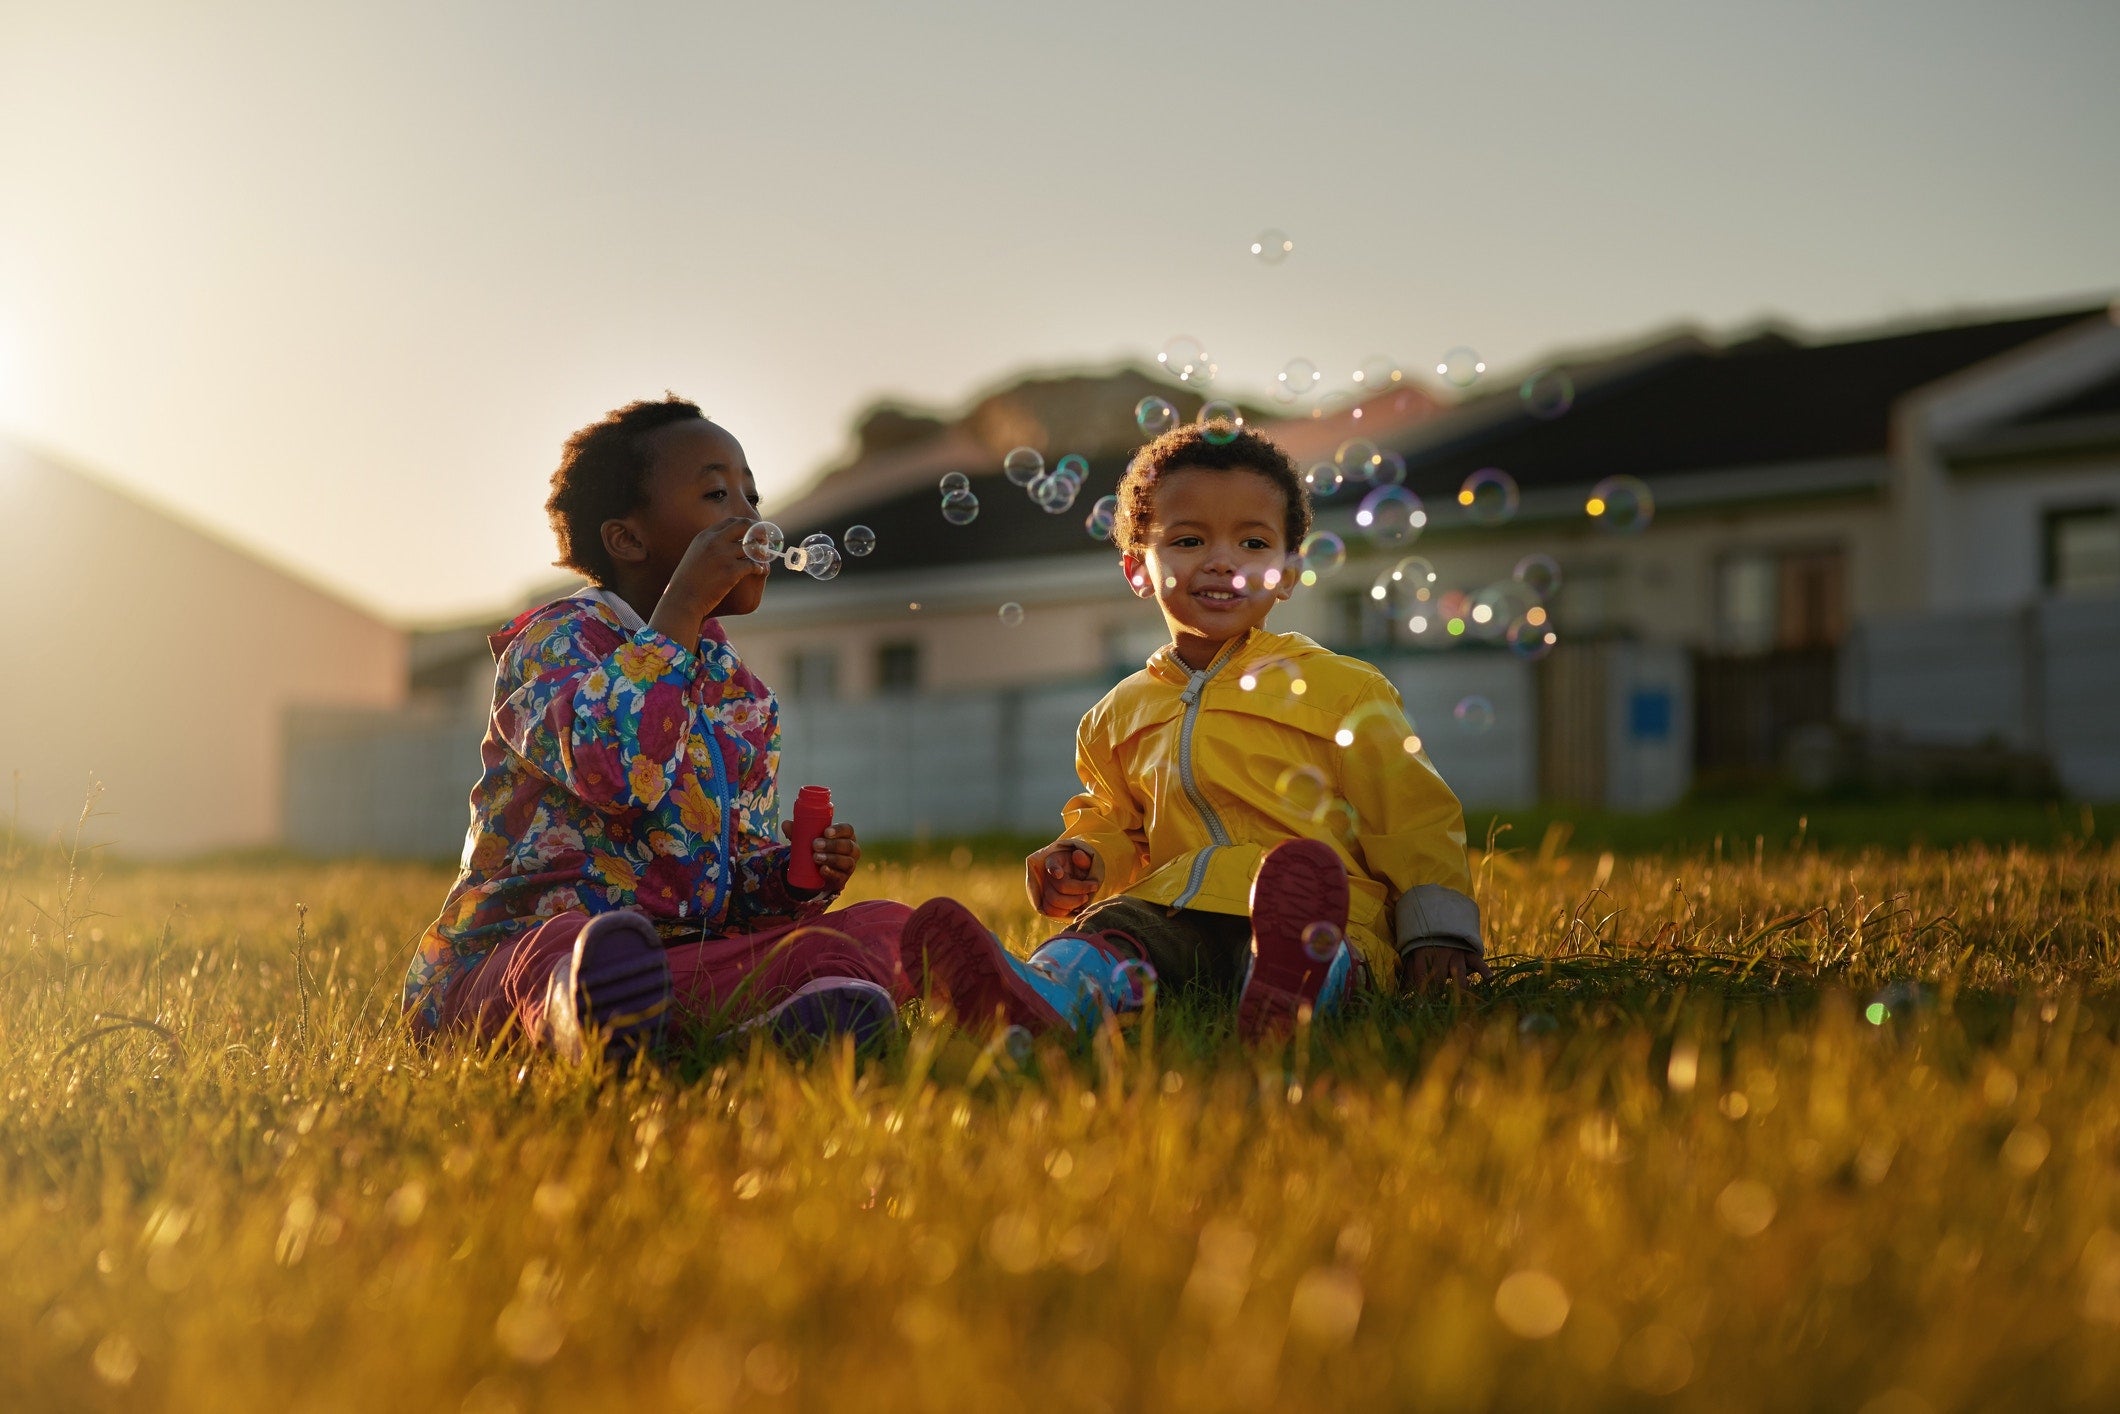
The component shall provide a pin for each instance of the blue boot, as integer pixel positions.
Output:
(1070, 981)
(1097, 976)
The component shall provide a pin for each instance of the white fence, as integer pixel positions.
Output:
(397, 784)
(915, 767)
(393, 784)
(2043, 679)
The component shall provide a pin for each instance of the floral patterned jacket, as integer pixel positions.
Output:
(621, 769)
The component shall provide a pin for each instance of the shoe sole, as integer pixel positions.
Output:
(622, 988)
(830, 1007)
(949, 953)
(1300, 883)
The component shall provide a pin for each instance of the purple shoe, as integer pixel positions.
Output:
(614, 987)
(829, 1007)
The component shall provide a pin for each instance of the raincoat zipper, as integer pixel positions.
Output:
(1191, 698)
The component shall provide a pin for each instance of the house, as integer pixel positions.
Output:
(1802, 489)
(1910, 534)
(155, 660)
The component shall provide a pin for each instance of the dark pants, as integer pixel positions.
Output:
(1188, 947)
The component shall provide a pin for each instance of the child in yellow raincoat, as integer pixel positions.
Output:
(1256, 812)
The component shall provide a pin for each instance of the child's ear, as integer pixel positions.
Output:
(623, 543)
(1136, 572)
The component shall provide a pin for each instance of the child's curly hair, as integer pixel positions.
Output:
(599, 479)
(1189, 448)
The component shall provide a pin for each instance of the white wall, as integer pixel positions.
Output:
(156, 659)
(2045, 678)
(1995, 543)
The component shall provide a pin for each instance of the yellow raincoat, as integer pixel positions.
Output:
(1190, 777)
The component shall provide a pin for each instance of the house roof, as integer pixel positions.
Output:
(895, 491)
(1680, 404)
(1690, 406)
(2087, 419)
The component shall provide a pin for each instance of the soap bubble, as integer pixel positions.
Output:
(1461, 367)
(1322, 941)
(1377, 371)
(1323, 479)
(1453, 612)
(1494, 607)
(1021, 466)
(960, 508)
(1547, 393)
(1474, 713)
(1413, 575)
(1102, 517)
(1322, 553)
(1299, 376)
(1387, 469)
(1155, 416)
(1133, 985)
(1187, 361)
(1280, 678)
(1334, 403)
(1223, 421)
(1074, 466)
(1011, 614)
(1306, 790)
(816, 538)
(1380, 725)
(953, 481)
(859, 540)
(824, 562)
(1620, 504)
(763, 542)
(1489, 496)
(1531, 641)
(1055, 493)
(1392, 515)
(1898, 999)
(1357, 459)
(1271, 246)
(1539, 574)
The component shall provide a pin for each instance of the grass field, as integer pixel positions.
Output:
(1701, 1146)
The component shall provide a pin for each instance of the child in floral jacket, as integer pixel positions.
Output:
(622, 860)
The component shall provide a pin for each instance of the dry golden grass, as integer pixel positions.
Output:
(1668, 1162)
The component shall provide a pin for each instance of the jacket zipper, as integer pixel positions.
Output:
(1191, 698)
(724, 798)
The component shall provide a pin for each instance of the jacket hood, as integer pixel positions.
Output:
(600, 603)
(1256, 646)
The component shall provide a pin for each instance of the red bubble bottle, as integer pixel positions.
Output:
(813, 816)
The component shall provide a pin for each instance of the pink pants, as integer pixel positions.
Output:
(721, 980)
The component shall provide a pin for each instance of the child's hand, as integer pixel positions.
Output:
(1430, 970)
(1063, 878)
(836, 854)
(713, 564)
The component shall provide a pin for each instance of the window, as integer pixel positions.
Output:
(1812, 612)
(1745, 603)
(1361, 620)
(1127, 646)
(1790, 599)
(898, 667)
(813, 673)
(2083, 550)
(1589, 600)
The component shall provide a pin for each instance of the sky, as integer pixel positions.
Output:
(336, 280)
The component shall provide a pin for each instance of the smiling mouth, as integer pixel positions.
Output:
(1219, 596)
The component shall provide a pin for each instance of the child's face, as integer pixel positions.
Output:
(697, 479)
(1216, 555)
